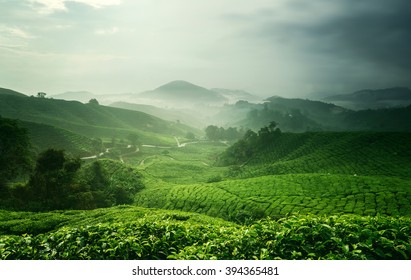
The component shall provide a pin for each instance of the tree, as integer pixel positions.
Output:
(133, 138)
(190, 136)
(97, 145)
(52, 178)
(15, 150)
(212, 132)
(93, 101)
(41, 95)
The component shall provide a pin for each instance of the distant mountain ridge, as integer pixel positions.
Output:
(182, 92)
(82, 96)
(88, 119)
(373, 99)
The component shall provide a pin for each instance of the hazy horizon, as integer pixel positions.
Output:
(287, 48)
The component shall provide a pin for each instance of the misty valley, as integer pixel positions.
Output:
(184, 172)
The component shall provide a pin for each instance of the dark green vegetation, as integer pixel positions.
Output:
(46, 136)
(300, 115)
(350, 153)
(91, 120)
(270, 195)
(15, 154)
(60, 182)
(373, 99)
(136, 233)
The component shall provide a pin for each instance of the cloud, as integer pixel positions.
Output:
(107, 31)
(374, 31)
(15, 32)
(51, 6)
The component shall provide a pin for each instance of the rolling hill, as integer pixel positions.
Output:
(184, 116)
(359, 153)
(324, 173)
(271, 195)
(373, 99)
(5, 91)
(300, 115)
(82, 96)
(90, 120)
(181, 93)
(46, 136)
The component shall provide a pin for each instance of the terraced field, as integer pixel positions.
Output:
(360, 153)
(45, 136)
(307, 196)
(276, 196)
(317, 173)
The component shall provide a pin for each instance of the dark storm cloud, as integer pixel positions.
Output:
(376, 31)
(382, 36)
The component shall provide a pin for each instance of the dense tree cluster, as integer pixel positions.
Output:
(216, 133)
(56, 180)
(251, 142)
(61, 182)
(15, 151)
(292, 120)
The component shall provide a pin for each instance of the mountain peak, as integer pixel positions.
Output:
(179, 85)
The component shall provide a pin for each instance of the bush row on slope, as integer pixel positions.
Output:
(176, 236)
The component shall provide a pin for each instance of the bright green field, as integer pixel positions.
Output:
(328, 173)
(322, 196)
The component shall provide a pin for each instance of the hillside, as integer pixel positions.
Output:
(45, 136)
(182, 93)
(373, 99)
(82, 96)
(293, 115)
(300, 115)
(184, 116)
(318, 173)
(237, 95)
(359, 153)
(5, 91)
(90, 120)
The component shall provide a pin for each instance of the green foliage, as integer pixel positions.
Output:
(135, 233)
(90, 121)
(361, 153)
(215, 133)
(15, 150)
(214, 179)
(280, 195)
(105, 183)
(51, 182)
(93, 101)
(45, 137)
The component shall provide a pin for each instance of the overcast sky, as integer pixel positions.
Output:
(267, 47)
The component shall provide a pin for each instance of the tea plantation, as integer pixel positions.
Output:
(137, 233)
(331, 195)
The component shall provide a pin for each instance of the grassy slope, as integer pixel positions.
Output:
(360, 153)
(283, 194)
(5, 91)
(319, 173)
(45, 136)
(90, 120)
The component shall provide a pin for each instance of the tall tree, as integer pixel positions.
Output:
(52, 178)
(212, 132)
(15, 150)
